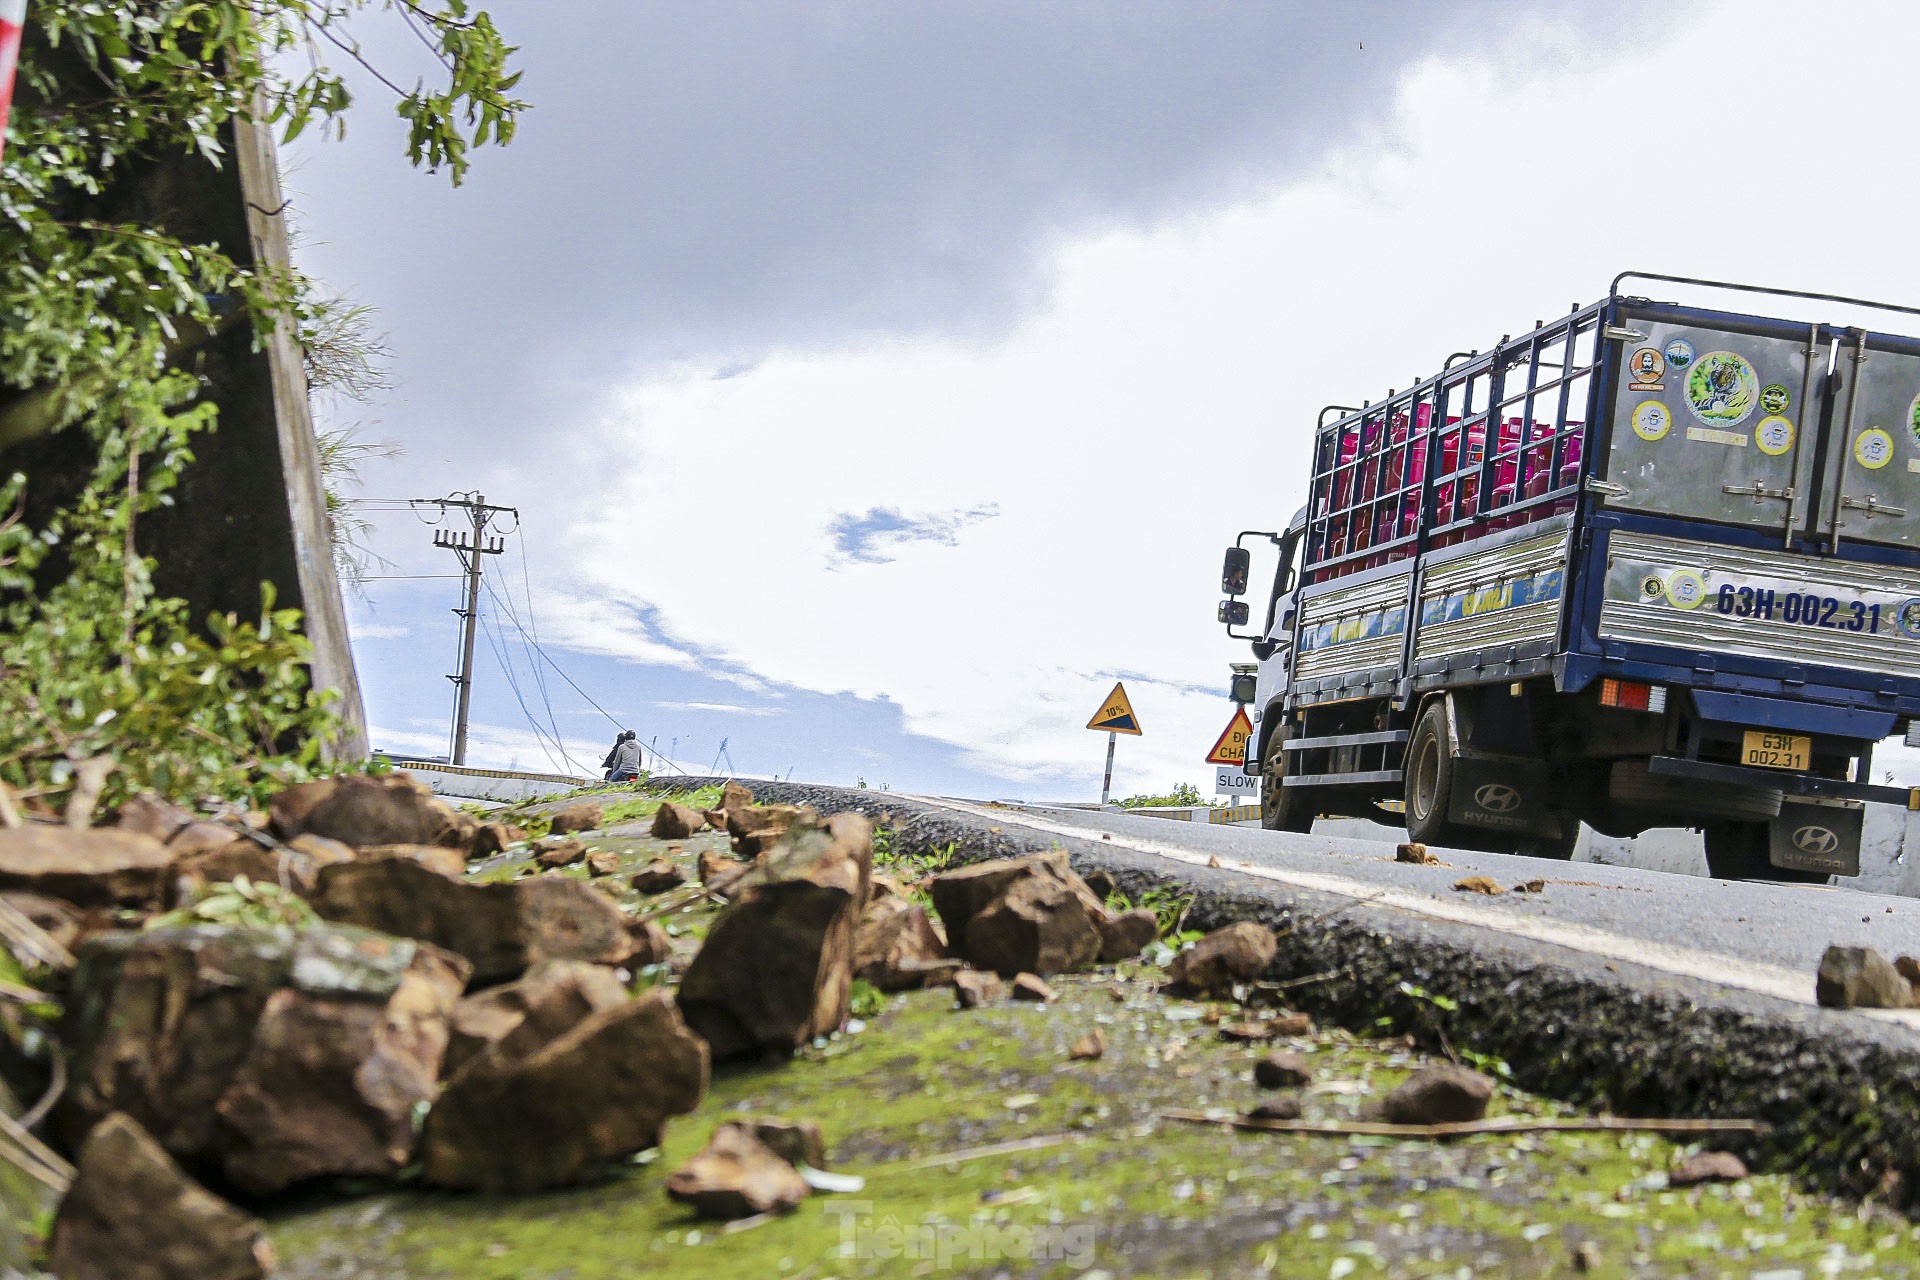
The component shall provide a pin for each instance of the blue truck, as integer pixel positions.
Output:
(1647, 565)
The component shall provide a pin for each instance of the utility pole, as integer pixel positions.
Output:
(468, 548)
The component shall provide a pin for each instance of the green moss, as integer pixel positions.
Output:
(1115, 1185)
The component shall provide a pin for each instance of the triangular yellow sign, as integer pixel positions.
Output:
(1232, 746)
(1116, 714)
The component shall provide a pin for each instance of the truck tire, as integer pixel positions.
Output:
(1692, 801)
(1738, 851)
(1429, 779)
(1284, 808)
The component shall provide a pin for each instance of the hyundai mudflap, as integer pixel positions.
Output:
(1648, 565)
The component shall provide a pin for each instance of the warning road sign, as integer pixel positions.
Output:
(1116, 714)
(1232, 746)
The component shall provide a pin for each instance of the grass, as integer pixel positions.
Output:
(1120, 1189)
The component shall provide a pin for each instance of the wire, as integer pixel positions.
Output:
(553, 725)
(560, 671)
(506, 669)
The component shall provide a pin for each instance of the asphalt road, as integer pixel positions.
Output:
(1761, 937)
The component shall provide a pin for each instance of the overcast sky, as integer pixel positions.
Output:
(878, 382)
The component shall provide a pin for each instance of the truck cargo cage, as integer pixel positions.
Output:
(1416, 471)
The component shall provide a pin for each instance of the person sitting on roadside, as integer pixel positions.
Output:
(624, 759)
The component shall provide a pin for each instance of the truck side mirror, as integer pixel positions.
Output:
(1233, 574)
(1233, 613)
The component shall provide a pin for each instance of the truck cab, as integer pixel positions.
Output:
(1649, 564)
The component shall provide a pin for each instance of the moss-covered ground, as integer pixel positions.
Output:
(985, 1151)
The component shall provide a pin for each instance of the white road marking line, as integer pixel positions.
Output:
(1705, 966)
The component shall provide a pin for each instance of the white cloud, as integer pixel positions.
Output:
(724, 708)
(379, 631)
(1165, 399)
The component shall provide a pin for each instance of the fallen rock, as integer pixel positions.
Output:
(657, 876)
(1479, 884)
(323, 851)
(895, 947)
(1439, 1095)
(651, 943)
(1126, 935)
(1089, 1046)
(199, 838)
(797, 1142)
(240, 856)
(736, 1176)
(339, 1061)
(133, 1214)
(1860, 978)
(1252, 1031)
(272, 1056)
(776, 969)
(1238, 953)
(565, 991)
(975, 987)
(1028, 986)
(519, 1118)
(148, 814)
(489, 838)
(1415, 852)
(501, 929)
(733, 796)
(757, 828)
(602, 862)
(960, 896)
(394, 808)
(676, 821)
(719, 873)
(1099, 883)
(89, 867)
(1908, 968)
(1282, 1108)
(157, 1025)
(1283, 1071)
(434, 857)
(555, 854)
(1708, 1166)
(1030, 914)
(583, 816)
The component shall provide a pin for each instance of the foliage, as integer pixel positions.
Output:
(1184, 795)
(1169, 908)
(104, 319)
(865, 1000)
(242, 902)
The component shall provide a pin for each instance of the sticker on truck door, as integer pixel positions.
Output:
(1722, 388)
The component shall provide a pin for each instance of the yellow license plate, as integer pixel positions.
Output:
(1776, 750)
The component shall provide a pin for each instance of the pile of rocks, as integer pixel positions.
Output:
(483, 1032)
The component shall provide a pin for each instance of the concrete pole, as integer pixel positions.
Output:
(472, 615)
(1106, 786)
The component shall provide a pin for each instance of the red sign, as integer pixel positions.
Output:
(13, 16)
(1232, 747)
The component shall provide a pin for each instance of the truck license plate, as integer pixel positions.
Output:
(1776, 750)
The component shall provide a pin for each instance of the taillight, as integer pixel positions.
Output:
(1631, 695)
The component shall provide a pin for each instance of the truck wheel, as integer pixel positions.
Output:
(1284, 808)
(1429, 779)
(1738, 851)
